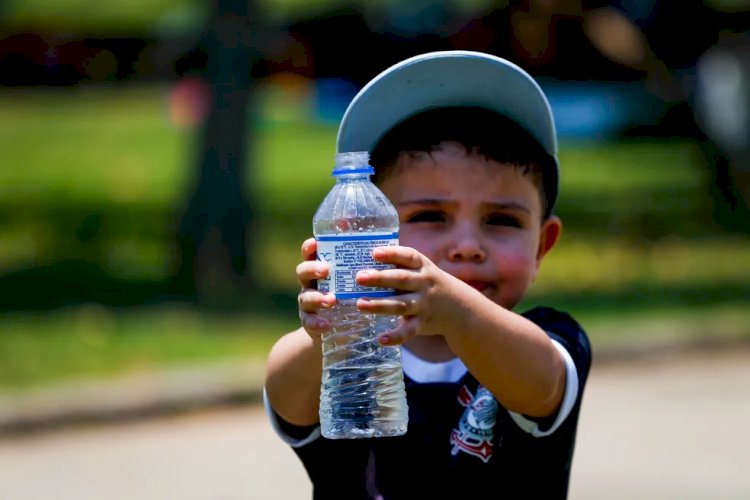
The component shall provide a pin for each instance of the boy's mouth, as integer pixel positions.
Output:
(478, 285)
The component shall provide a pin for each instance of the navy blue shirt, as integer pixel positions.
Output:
(460, 443)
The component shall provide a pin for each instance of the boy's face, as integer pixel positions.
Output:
(478, 220)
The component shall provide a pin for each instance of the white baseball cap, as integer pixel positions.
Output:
(454, 78)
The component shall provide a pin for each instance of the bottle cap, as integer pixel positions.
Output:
(352, 163)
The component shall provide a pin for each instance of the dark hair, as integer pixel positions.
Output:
(479, 131)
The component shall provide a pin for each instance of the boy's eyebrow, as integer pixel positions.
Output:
(509, 205)
(513, 206)
(426, 201)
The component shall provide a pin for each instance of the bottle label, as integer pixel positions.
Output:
(348, 254)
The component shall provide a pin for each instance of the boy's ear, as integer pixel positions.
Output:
(548, 236)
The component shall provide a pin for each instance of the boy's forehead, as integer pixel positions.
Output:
(453, 173)
(452, 155)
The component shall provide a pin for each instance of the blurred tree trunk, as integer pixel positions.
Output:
(213, 231)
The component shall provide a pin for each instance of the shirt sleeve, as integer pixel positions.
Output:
(293, 435)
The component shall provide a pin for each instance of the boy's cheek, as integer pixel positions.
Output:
(516, 271)
(516, 265)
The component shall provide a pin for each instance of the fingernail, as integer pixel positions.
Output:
(377, 252)
(363, 275)
(385, 339)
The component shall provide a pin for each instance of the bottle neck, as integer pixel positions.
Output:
(352, 177)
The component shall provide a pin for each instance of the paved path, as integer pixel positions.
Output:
(653, 430)
(675, 430)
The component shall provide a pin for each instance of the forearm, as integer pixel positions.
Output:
(510, 355)
(293, 376)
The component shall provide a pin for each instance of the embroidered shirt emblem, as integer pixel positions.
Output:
(475, 431)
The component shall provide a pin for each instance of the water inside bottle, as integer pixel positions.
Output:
(362, 386)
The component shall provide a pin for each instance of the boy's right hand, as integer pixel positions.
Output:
(310, 300)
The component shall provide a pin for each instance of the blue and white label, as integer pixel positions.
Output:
(347, 254)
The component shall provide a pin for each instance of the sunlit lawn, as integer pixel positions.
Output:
(129, 17)
(99, 174)
(93, 340)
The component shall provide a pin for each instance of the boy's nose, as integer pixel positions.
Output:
(466, 248)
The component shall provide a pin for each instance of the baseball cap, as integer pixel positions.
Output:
(453, 78)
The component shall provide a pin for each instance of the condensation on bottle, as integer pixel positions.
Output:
(362, 390)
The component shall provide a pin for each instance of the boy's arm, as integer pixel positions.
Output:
(293, 373)
(507, 353)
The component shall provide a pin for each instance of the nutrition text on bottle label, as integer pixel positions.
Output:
(348, 254)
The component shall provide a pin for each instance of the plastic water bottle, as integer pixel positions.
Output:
(362, 391)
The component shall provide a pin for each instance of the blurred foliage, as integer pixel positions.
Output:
(729, 5)
(89, 175)
(132, 17)
(127, 17)
(93, 178)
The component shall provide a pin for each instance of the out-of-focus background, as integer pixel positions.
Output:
(161, 160)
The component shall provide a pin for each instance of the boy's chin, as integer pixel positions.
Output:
(508, 306)
(499, 298)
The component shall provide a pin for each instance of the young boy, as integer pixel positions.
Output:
(464, 145)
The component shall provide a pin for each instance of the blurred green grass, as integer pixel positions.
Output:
(132, 17)
(97, 176)
(91, 340)
(112, 17)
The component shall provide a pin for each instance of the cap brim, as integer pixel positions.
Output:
(446, 79)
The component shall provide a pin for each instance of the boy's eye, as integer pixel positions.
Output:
(427, 216)
(503, 220)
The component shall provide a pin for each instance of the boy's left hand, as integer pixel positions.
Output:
(427, 303)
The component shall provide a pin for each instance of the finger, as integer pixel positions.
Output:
(399, 279)
(400, 256)
(311, 300)
(309, 271)
(407, 329)
(398, 305)
(309, 247)
(314, 324)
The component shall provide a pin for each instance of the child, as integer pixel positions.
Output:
(464, 145)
